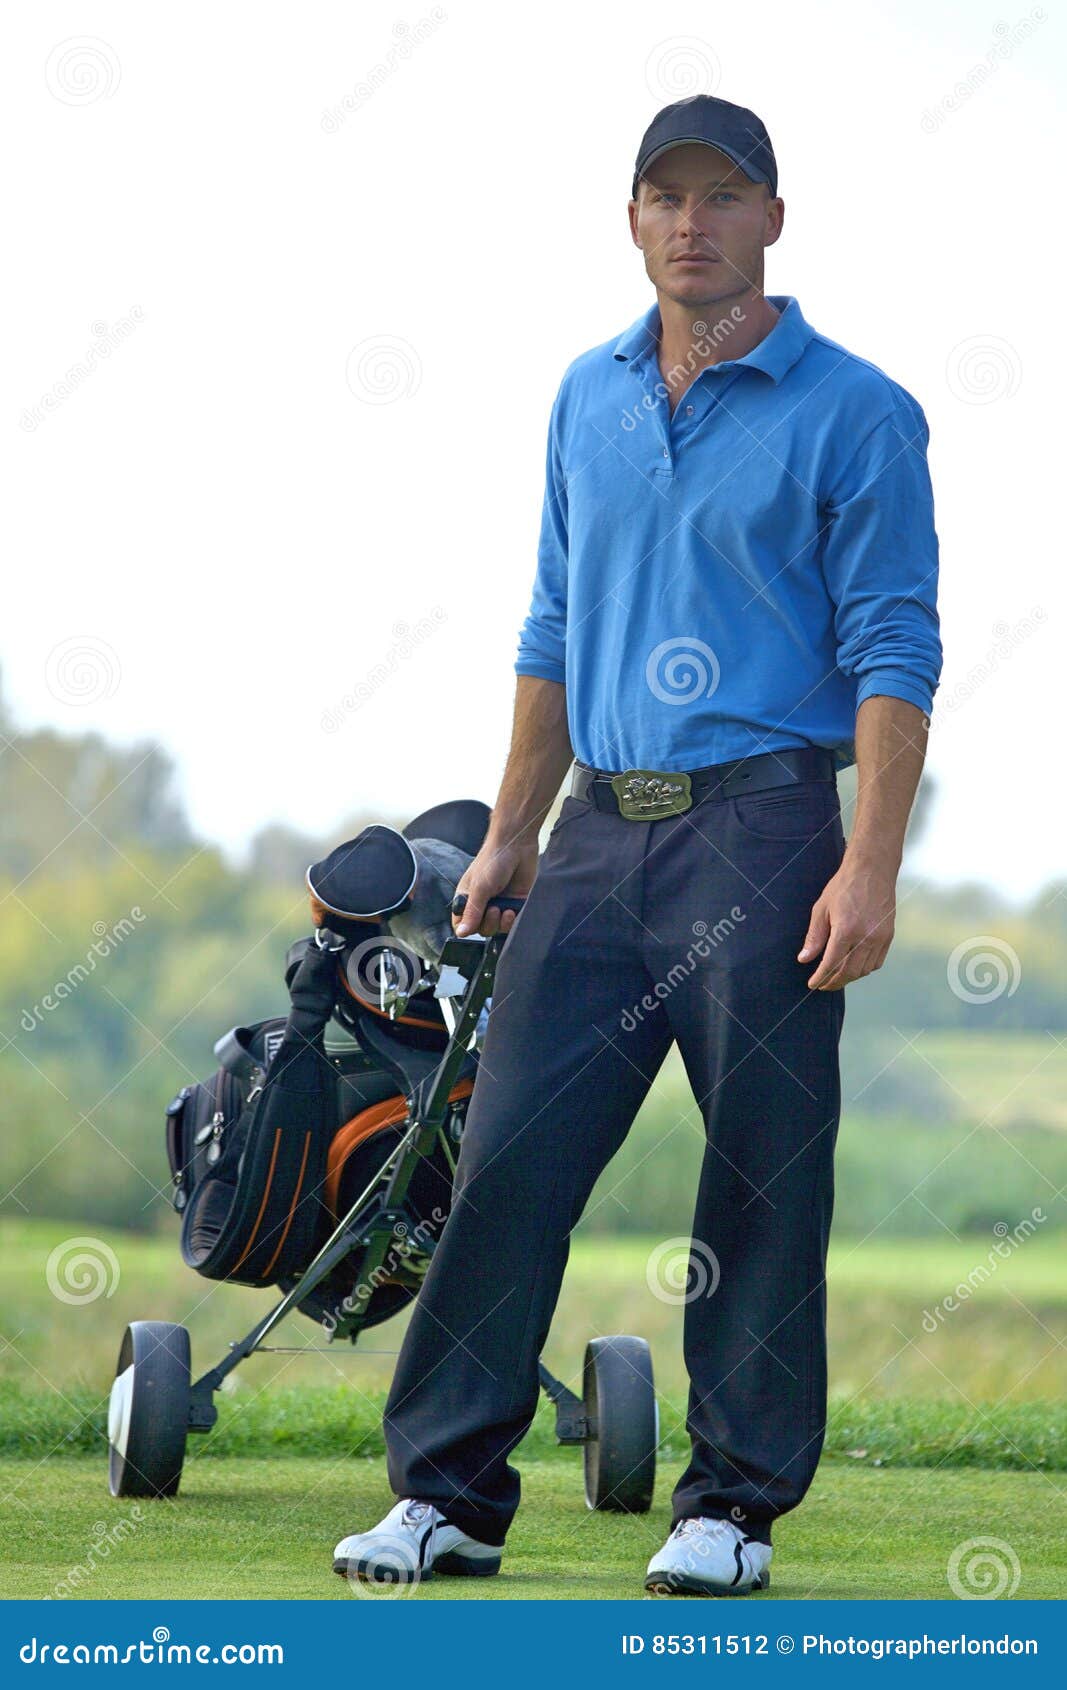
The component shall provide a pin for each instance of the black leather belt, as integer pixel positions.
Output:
(651, 794)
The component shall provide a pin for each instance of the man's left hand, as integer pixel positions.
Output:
(851, 925)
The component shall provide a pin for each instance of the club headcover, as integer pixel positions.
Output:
(406, 879)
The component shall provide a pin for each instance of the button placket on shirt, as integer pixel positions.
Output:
(646, 369)
(673, 430)
(692, 413)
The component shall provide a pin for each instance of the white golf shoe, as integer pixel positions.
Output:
(413, 1542)
(705, 1557)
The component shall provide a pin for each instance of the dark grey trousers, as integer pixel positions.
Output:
(636, 934)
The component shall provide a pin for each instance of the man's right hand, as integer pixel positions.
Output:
(509, 869)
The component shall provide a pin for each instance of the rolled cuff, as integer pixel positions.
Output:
(543, 667)
(893, 683)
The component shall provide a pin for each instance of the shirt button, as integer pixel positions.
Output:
(689, 410)
(666, 454)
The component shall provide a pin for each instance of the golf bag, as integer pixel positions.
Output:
(272, 1151)
(249, 1160)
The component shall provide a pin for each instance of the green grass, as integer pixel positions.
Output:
(294, 1420)
(1002, 1342)
(266, 1528)
(935, 1437)
(319, 1420)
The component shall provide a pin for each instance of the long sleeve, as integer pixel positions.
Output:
(880, 562)
(542, 638)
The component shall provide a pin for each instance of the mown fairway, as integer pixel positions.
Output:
(936, 1436)
(266, 1528)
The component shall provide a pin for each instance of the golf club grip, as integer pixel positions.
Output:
(459, 903)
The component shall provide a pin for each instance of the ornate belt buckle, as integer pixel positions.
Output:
(646, 795)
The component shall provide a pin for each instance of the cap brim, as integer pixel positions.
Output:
(686, 140)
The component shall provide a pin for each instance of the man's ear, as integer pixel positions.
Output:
(631, 209)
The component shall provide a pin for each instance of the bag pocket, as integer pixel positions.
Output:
(199, 1122)
(795, 812)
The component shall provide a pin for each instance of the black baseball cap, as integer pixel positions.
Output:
(734, 130)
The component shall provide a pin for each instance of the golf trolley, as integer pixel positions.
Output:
(319, 1160)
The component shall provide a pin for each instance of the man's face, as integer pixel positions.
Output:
(702, 225)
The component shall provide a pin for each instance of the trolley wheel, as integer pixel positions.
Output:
(148, 1414)
(623, 1424)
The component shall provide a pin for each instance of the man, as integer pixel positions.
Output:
(735, 596)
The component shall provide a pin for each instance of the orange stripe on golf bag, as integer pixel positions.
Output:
(263, 1204)
(363, 1126)
(292, 1206)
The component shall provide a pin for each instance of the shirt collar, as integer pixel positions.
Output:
(775, 354)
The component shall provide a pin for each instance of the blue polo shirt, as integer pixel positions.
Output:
(739, 576)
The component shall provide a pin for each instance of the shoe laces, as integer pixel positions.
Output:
(699, 1527)
(416, 1513)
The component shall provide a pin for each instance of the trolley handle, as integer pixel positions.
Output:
(459, 903)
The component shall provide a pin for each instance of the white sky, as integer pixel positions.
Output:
(235, 538)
